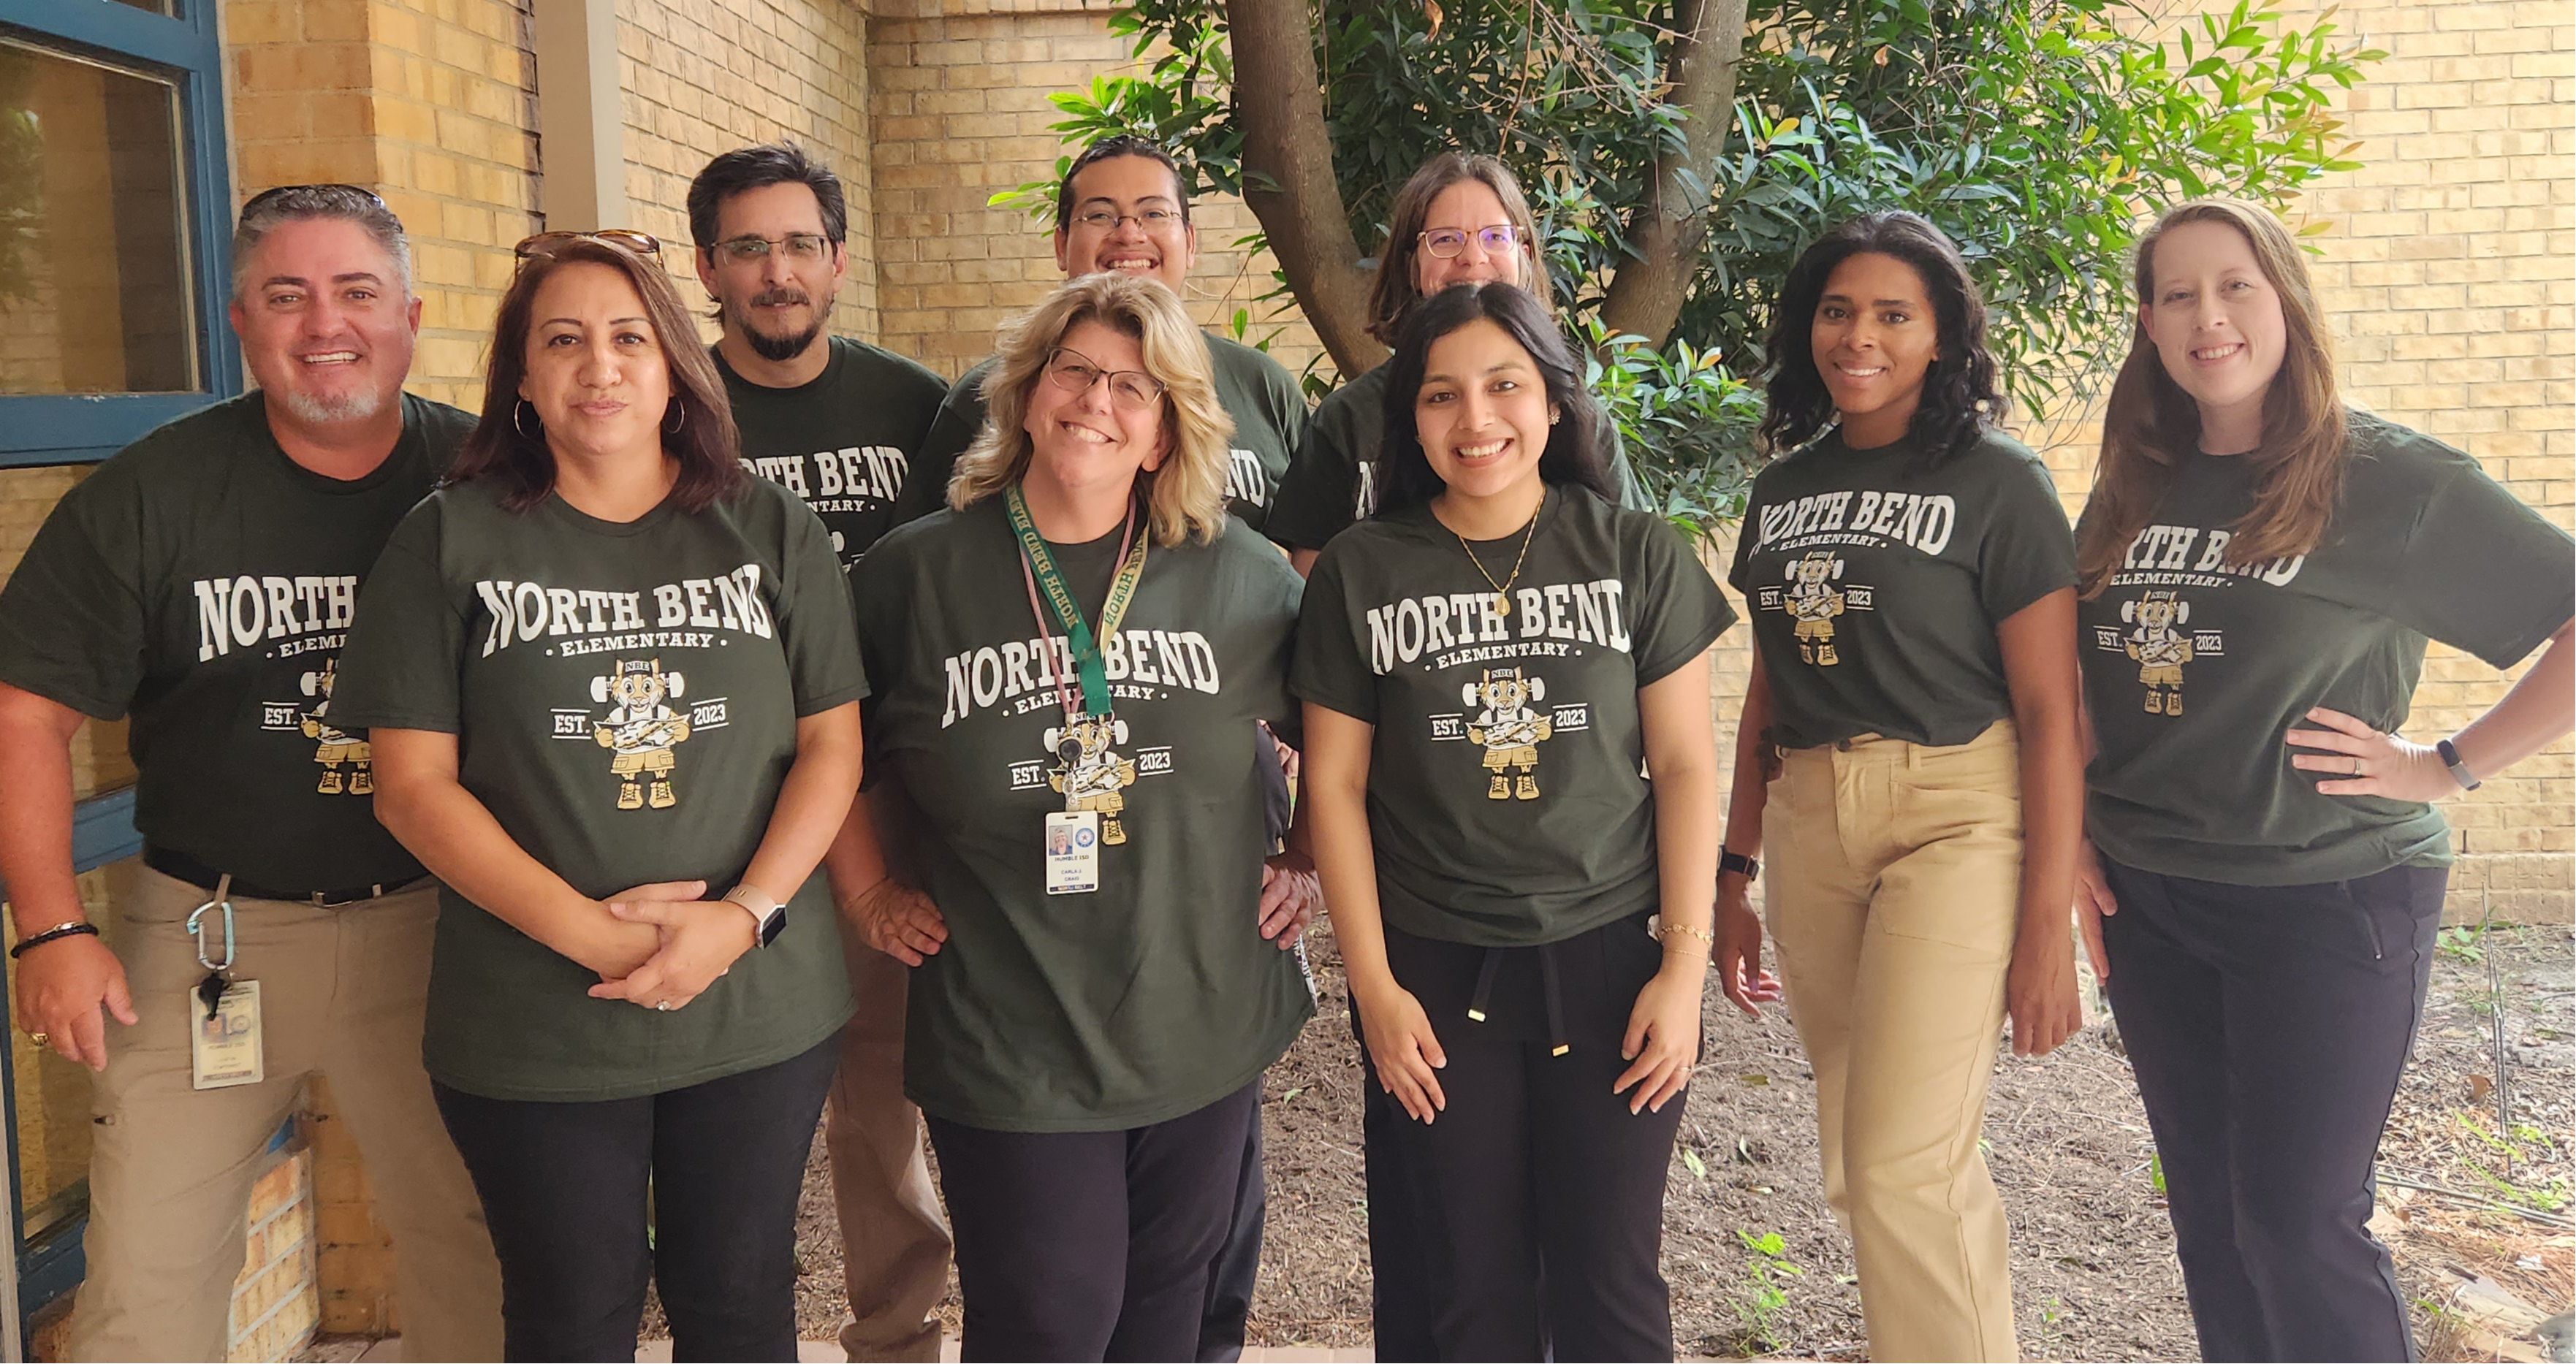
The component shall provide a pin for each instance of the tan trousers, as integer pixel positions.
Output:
(1895, 879)
(171, 1166)
(894, 1237)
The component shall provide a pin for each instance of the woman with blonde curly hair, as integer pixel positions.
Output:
(1070, 661)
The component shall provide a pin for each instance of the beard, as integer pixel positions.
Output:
(314, 409)
(778, 349)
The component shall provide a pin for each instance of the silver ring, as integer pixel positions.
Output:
(662, 1006)
(2356, 766)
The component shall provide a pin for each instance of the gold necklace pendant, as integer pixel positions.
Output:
(1503, 589)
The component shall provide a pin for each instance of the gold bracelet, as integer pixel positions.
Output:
(1687, 931)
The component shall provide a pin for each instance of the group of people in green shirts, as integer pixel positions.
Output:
(595, 788)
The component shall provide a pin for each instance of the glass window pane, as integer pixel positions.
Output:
(95, 294)
(53, 1099)
(154, 6)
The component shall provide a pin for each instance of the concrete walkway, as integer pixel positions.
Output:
(389, 1351)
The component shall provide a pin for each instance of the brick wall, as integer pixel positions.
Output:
(2444, 266)
(958, 93)
(701, 79)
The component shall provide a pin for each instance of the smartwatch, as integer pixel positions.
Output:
(765, 911)
(2459, 770)
(1728, 861)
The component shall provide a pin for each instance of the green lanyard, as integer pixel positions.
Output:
(1038, 566)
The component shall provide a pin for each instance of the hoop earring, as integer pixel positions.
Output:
(520, 426)
(679, 417)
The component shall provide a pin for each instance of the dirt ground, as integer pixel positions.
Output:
(2093, 1269)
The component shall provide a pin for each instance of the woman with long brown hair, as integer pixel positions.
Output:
(606, 673)
(2261, 567)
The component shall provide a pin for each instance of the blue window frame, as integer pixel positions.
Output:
(177, 308)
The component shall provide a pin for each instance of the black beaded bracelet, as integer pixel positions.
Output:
(65, 931)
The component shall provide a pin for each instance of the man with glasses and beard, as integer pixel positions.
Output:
(838, 422)
(202, 581)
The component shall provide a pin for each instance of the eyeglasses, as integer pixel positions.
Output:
(1446, 242)
(1132, 389)
(624, 238)
(1148, 220)
(804, 248)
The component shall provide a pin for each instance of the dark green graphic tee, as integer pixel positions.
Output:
(842, 442)
(1269, 419)
(625, 699)
(1876, 585)
(1331, 482)
(1506, 793)
(205, 582)
(1154, 995)
(2195, 668)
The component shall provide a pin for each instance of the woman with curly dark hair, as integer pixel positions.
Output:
(1913, 728)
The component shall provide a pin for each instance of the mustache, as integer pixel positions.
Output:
(776, 298)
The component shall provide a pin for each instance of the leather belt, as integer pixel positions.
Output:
(181, 866)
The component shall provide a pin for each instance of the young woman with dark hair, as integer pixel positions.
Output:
(2262, 566)
(1487, 665)
(1910, 738)
(604, 673)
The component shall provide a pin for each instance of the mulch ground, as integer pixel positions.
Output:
(2093, 1269)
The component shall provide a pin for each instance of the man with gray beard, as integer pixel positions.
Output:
(202, 582)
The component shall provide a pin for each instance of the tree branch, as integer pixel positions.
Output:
(1647, 291)
(1289, 184)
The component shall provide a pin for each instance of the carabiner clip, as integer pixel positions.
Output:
(196, 926)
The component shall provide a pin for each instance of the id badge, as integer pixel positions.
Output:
(1072, 852)
(226, 1044)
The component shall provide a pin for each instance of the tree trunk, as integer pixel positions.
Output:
(1280, 100)
(1647, 291)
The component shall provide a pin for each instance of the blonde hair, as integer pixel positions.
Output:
(2150, 422)
(1185, 498)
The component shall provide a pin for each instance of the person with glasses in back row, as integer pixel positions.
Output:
(839, 422)
(612, 686)
(202, 581)
(1123, 208)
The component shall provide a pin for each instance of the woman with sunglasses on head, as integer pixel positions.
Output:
(1489, 664)
(612, 688)
(2262, 566)
(1070, 662)
(1908, 762)
(1461, 219)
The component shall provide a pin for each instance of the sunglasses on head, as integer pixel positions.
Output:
(624, 238)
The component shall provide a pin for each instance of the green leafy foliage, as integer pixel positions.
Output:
(2040, 134)
(1763, 1293)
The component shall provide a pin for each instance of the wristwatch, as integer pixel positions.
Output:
(1728, 861)
(2459, 770)
(765, 910)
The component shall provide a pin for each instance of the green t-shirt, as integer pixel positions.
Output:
(1331, 482)
(1269, 419)
(1155, 995)
(625, 700)
(844, 441)
(1506, 793)
(1876, 585)
(203, 581)
(2196, 669)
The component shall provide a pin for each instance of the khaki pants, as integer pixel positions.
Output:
(894, 1237)
(341, 994)
(1895, 882)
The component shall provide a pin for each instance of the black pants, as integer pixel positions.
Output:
(1091, 1245)
(564, 1187)
(1238, 1261)
(1399, 1276)
(1536, 1198)
(2268, 1027)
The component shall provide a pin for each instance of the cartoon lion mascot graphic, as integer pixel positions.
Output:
(1510, 728)
(1813, 602)
(642, 728)
(1089, 773)
(2160, 647)
(333, 747)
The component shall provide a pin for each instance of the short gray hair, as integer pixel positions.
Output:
(297, 203)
